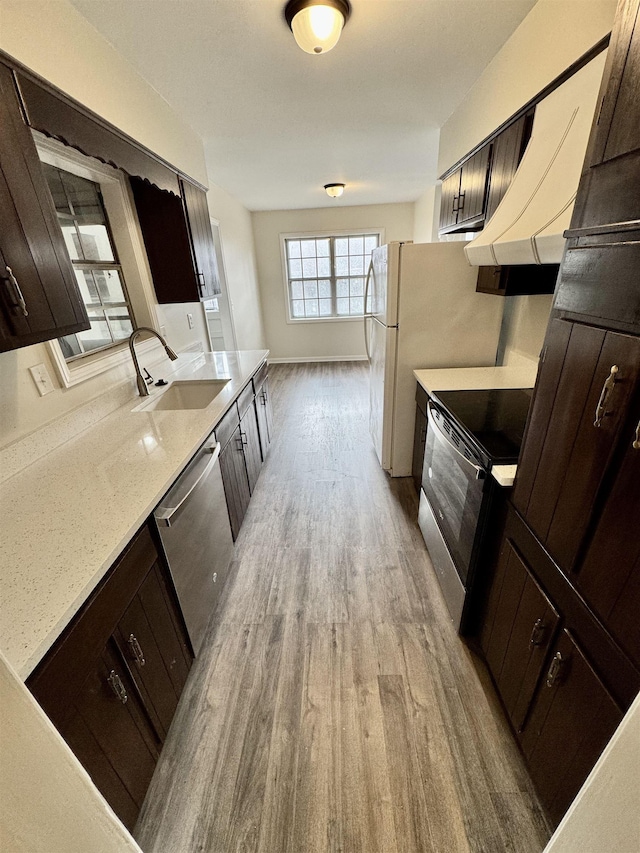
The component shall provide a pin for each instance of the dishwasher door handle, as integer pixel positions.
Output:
(164, 514)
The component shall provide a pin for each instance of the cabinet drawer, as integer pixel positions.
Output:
(259, 376)
(245, 398)
(227, 426)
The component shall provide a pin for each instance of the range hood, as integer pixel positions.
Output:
(528, 224)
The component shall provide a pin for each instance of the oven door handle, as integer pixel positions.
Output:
(479, 471)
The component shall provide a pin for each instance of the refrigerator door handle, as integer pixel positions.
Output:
(367, 314)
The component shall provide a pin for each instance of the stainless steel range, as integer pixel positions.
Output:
(468, 433)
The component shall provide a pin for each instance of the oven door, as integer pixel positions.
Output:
(454, 482)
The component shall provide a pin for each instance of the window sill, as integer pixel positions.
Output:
(293, 321)
(93, 365)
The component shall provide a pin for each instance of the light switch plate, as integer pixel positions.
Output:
(42, 380)
(190, 320)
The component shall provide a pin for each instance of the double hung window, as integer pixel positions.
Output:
(326, 275)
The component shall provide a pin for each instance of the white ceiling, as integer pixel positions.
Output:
(278, 123)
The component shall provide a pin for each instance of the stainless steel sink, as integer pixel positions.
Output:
(184, 394)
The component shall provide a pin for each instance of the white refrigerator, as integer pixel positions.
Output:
(421, 311)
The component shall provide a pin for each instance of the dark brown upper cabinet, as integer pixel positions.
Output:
(39, 296)
(464, 194)
(204, 257)
(178, 240)
(521, 280)
(508, 149)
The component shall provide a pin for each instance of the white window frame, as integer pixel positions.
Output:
(125, 231)
(306, 235)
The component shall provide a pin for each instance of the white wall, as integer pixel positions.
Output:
(605, 816)
(553, 35)
(236, 237)
(425, 224)
(315, 340)
(49, 803)
(55, 41)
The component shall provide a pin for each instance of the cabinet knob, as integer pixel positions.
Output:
(136, 650)
(601, 408)
(553, 676)
(117, 686)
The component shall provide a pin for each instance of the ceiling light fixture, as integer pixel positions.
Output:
(334, 190)
(316, 24)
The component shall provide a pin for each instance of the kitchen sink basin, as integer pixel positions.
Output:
(185, 394)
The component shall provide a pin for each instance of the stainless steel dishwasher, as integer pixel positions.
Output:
(194, 527)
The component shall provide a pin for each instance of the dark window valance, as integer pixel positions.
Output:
(53, 113)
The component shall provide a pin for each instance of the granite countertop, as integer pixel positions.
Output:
(473, 378)
(67, 516)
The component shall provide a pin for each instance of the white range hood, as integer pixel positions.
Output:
(528, 224)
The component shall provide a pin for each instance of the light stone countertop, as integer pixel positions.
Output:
(68, 516)
(475, 378)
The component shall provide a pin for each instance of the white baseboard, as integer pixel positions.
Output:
(313, 358)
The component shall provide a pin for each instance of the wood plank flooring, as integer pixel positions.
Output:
(333, 709)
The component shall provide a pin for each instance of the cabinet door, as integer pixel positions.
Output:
(152, 644)
(570, 724)
(449, 200)
(109, 732)
(251, 443)
(609, 575)
(473, 187)
(265, 416)
(166, 239)
(520, 625)
(195, 202)
(235, 480)
(505, 158)
(580, 418)
(39, 296)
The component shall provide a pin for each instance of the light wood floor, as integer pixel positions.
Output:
(334, 708)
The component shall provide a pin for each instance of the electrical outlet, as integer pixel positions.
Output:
(40, 376)
(190, 320)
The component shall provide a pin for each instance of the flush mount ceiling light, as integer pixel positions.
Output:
(316, 24)
(334, 190)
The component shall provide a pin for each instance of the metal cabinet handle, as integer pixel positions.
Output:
(239, 444)
(263, 397)
(537, 633)
(636, 442)
(136, 650)
(555, 669)
(201, 283)
(243, 438)
(609, 382)
(461, 201)
(117, 686)
(19, 301)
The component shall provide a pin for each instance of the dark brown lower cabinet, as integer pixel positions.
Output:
(571, 722)
(235, 480)
(251, 444)
(419, 436)
(265, 415)
(111, 683)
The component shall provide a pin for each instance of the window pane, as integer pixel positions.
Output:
(293, 248)
(311, 290)
(324, 267)
(60, 201)
(325, 307)
(343, 287)
(87, 285)
(308, 248)
(342, 246)
(343, 307)
(356, 245)
(71, 240)
(312, 307)
(322, 248)
(356, 265)
(296, 290)
(295, 268)
(357, 305)
(370, 243)
(309, 269)
(70, 346)
(84, 197)
(95, 242)
(357, 287)
(342, 266)
(109, 285)
(120, 323)
(297, 308)
(324, 289)
(95, 337)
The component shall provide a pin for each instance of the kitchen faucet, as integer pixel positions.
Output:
(142, 385)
